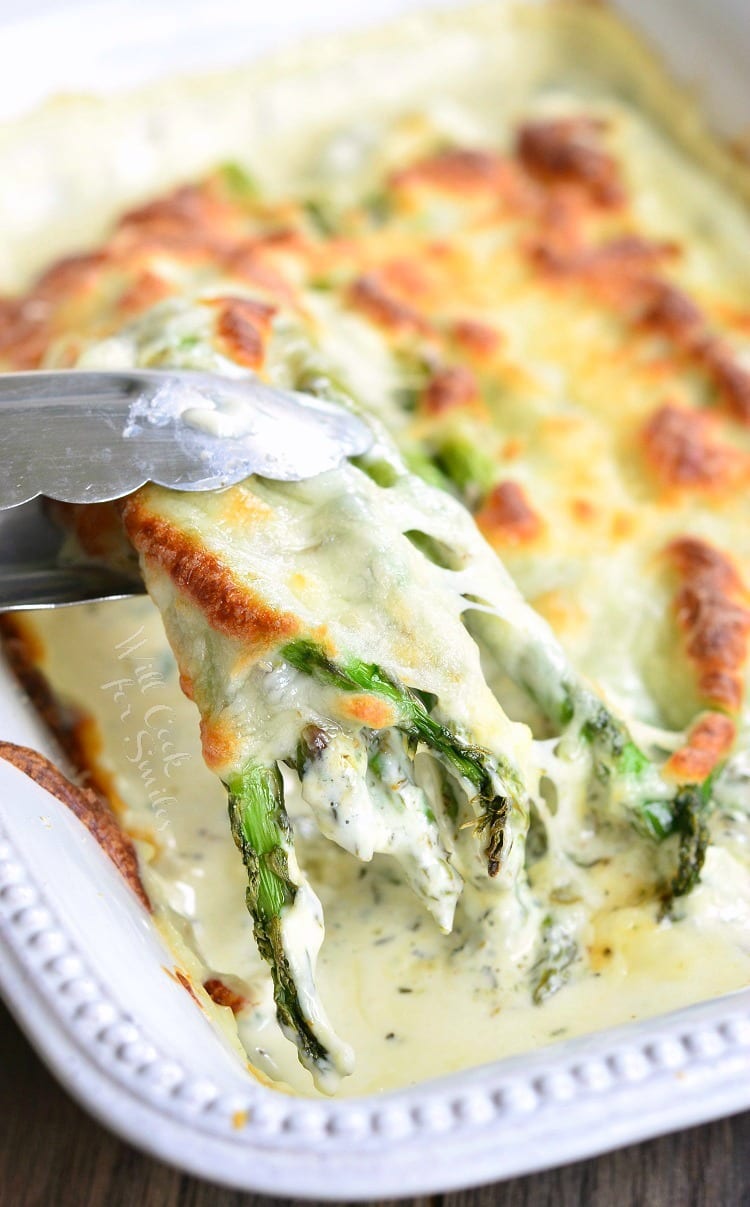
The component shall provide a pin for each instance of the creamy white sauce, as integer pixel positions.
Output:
(303, 931)
(228, 420)
(411, 1001)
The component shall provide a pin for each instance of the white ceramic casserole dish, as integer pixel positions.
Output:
(80, 965)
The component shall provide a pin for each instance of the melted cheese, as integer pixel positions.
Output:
(519, 334)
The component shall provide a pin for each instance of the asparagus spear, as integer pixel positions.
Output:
(659, 808)
(626, 776)
(262, 832)
(343, 780)
(690, 809)
(495, 785)
(558, 950)
(364, 796)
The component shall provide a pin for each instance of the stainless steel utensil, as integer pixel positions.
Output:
(88, 437)
(33, 575)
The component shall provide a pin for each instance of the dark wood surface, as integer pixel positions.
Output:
(53, 1155)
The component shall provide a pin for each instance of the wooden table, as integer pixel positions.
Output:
(53, 1155)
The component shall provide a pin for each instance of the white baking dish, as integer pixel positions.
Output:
(80, 965)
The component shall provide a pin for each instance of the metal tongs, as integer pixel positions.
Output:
(90, 437)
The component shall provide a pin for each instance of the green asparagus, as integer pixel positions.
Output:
(262, 832)
(625, 775)
(495, 784)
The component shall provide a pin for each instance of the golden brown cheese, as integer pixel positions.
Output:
(571, 151)
(242, 328)
(372, 297)
(684, 453)
(709, 740)
(224, 995)
(230, 607)
(454, 387)
(506, 516)
(462, 171)
(713, 613)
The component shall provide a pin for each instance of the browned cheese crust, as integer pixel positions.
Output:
(712, 611)
(229, 606)
(709, 740)
(223, 995)
(683, 452)
(507, 517)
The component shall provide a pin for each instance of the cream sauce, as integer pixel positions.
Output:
(411, 1001)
